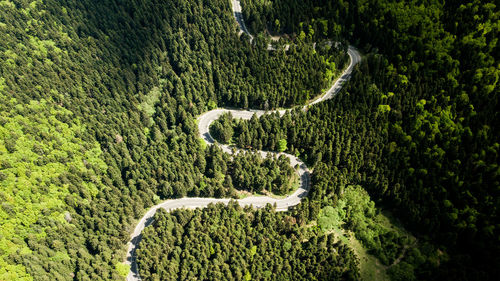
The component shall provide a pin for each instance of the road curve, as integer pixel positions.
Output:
(204, 122)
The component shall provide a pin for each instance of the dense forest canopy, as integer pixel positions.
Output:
(98, 101)
(230, 243)
(430, 148)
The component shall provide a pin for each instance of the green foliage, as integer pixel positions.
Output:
(91, 151)
(211, 105)
(94, 63)
(355, 211)
(221, 128)
(282, 145)
(177, 246)
(122, 269)
(250, 172)
(439, 171)
(36, 150)
(332, 218)
(382, 240)
(148, 105)
(401, 272)
(384, 108)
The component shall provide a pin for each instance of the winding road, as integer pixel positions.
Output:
(204, 122)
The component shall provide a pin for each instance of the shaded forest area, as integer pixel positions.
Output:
(417, 126)
(98, 104)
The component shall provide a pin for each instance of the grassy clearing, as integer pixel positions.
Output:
(370, 267)
(376, 237)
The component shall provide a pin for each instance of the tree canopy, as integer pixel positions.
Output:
(98, 106)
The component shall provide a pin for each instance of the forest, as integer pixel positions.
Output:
(232, 243)
(417, 126)
(98, 107)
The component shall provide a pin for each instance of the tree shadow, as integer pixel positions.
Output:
(133, 255)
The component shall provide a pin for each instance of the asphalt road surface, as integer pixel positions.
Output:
(204, 122)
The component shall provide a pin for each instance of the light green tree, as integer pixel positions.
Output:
(282, 145)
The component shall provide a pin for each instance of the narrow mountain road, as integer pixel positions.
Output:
(204, 122)
(238, 14)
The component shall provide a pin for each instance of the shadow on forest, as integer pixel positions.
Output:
(128, 28)
(135, 241)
